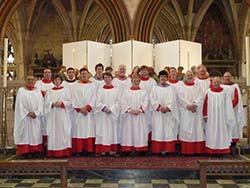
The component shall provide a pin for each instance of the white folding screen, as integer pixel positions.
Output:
(132, 53)
(177, 53)
(75, 54)
(97, 53)
(88, 53)
(142, 54)
(122, 54)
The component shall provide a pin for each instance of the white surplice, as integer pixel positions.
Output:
(58, 122)
(191, 132)
(27, 131)
(134, 133)
(107, 124)
(220, 120)
(236, 97)
(164, 125)
(83, 129)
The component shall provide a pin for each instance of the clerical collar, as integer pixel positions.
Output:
(143, 78)
(189, 83)
(135, 88)
(57, 88)
(30, 87)
(202, 78)
(84, 82)
(230, 83)
(108, 86)
(46, 81)
(219, 89)
(95, 77)
(70, 81)
(122, 77)
(173, 81)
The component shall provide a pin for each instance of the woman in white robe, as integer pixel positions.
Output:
(57, 105)
(106, 117)
(191, 133)
(165, 115)
(134, 123)
(219, 117)
(28, 119)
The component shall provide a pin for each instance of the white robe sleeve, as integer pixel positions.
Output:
(173, 106)
(240, 111)
(40, 100)
(181, 99)
(145, 102)
(99, 101)
(47, 103)
(230, 118)
(124, 103)
(154, 100)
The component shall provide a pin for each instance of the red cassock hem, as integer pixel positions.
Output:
(25, 148)
(192, 147)
(161, 146)
(59, 153)
(133, 148)
(80, 144)
(217, 151)
(99, 148)
(235, 140)
(45, 139)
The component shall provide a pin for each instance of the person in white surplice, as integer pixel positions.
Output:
(219, 117)
(134, 125)
(44, 85)
(57, 105)
(191, 133)
(106, 117)
(27, 121)
(165, 116)
(98, 77)
(83, 101)
(236, 97)
(202, 78)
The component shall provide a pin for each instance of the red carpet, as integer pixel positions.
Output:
(152, 162)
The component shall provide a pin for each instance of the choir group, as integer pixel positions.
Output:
(128, 115)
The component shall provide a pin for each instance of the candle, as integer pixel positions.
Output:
(73, 58)
(247, 61)
(5, 57)
(188, 59)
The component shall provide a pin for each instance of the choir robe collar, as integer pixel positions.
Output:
(217, 90)
(173, 81)
(70, 81)
(96, 78)
(133, 88)
(163, 85)
(30, 87)
(84, 82)
(57, 88)
(189, 83)
(202, 78)
(229, 84)
(108, 86)
(122, 77)
(46, 81)
(144, 78)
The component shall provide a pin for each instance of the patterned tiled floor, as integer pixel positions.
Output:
(122, 183)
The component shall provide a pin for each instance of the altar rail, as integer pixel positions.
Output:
(35, 168)
(222, 168)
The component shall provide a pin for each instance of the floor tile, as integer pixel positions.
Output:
(8, 185)
(94, 181)
(76, 185)
(190, 181)
(230, 186)
(24, 185)
(159, 181)
(126, 185)
(175, 181)
(178, 185)
(222, 181)
(41, 185)
(161, 186)
(214, 186)
(144, 185)
(109, 185)
(29, 180)
(244, 185)
(126, 181)
(92, 185)
(193, 185)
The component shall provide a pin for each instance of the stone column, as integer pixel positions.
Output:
(1, 81)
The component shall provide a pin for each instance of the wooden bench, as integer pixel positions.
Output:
(35, 167)
(222, 168)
